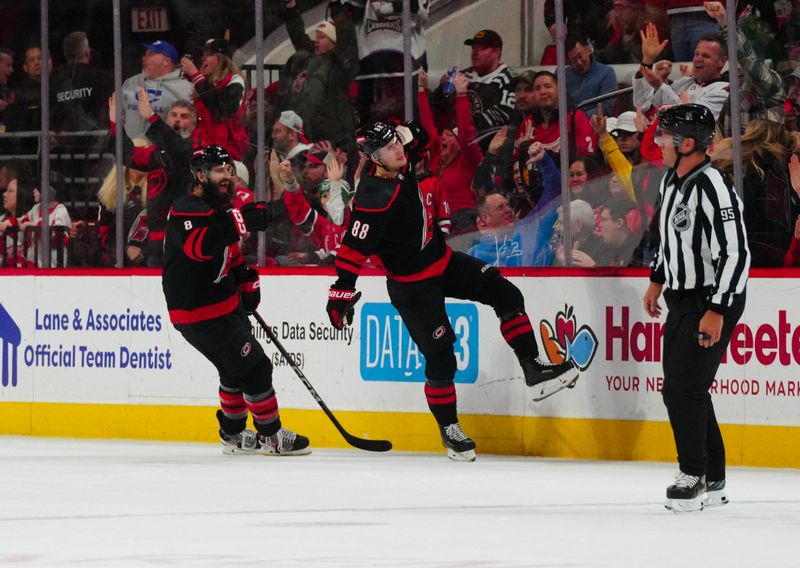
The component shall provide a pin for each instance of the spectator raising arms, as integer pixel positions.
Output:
(166, 164)
(219, 87)
(454, 154)
(320, 94)
(379, 30)
(705, 86)
(334, 193)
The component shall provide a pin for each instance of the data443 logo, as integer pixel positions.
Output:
(565, 341)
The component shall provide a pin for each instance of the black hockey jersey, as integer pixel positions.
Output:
(201, 257)
(396, 223)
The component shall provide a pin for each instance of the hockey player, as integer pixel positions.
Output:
(703, 260)
(209, 290)
(392, 221)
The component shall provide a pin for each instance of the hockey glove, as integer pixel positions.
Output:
(257, 216)
(341, 304)
(250, 290)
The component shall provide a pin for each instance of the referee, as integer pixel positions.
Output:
(703, 261)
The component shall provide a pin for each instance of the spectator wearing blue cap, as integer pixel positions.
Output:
(161, 79)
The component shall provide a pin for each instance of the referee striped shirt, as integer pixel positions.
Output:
(703, 242)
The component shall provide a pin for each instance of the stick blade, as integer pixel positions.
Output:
(369, 445)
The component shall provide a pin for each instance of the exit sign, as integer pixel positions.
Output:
(149, 19)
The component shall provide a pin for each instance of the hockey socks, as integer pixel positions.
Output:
(441, 396)
(518, 333)
(233, 414)
(264, 408)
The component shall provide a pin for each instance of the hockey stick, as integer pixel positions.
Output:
(356, 442)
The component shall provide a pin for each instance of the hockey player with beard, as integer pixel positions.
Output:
(166, 163)
(209, 290)
(393, 223)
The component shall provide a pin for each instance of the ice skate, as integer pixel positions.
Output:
(686, 494)
(715, 495)
(537, 371)
(460, 447)
(284, 443)
(245, 442)
(547, 378)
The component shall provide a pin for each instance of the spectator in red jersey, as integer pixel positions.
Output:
(454, 154)
(542, 124)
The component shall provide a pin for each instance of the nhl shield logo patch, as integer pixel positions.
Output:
(682, 219)
(246, 348)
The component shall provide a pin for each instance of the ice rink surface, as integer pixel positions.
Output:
(119, 503)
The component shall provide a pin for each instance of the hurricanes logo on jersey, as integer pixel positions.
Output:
(682, 219)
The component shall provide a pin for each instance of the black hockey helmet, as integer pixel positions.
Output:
(375, 136)
(689, 120)
(206, 157)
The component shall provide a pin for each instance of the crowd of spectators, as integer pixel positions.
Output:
(494, 153)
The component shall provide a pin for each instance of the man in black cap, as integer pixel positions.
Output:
(490, 90)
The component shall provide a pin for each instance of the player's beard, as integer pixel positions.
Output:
(216, 197)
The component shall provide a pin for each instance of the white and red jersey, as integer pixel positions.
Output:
(325, 235)
(58, 216)
(380, 36)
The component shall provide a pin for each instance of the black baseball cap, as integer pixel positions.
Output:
(486, 38)
(218, 45)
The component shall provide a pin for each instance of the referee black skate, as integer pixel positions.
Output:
(209, 289)
(391, 221)
(703, 261)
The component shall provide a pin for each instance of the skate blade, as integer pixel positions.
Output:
(715, 499)
(679, 506)
(468, 456)
(553, 386)
(303, 452)
(231, 451)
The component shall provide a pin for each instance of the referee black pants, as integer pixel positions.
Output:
(689, 372)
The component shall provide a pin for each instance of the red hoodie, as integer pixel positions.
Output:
(455, 177)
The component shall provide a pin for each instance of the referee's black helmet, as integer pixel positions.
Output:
(689, 120)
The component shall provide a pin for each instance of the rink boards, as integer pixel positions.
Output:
(88, 354)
